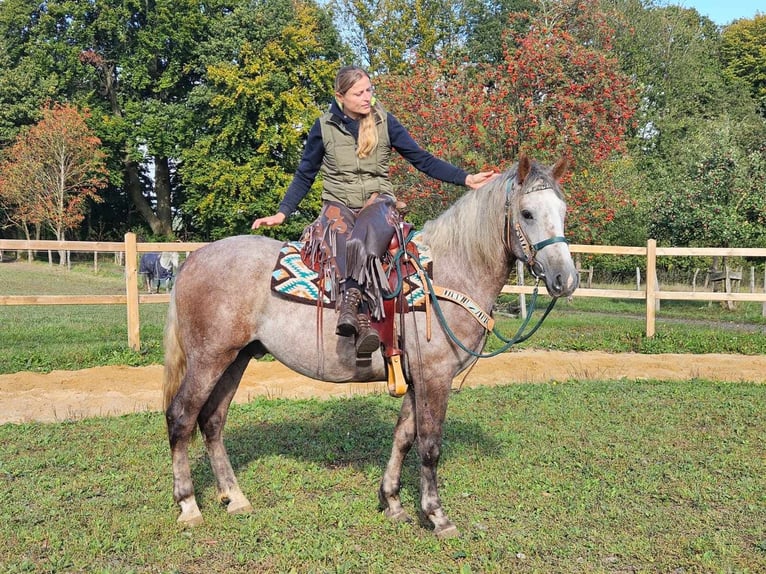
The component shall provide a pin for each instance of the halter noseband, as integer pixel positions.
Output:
(513, 226)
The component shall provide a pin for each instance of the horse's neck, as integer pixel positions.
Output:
(479, 281)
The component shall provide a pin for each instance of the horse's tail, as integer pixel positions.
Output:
(175, 356)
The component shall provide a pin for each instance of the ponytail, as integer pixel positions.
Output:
(368, 134)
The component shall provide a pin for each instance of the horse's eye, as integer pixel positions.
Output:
(526, 214)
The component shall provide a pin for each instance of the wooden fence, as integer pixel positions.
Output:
(651, 293)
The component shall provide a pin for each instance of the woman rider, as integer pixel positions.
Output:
(351, 144)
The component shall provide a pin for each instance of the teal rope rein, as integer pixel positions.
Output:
(519, 337)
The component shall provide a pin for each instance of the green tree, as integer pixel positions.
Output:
(744, 55)
(144, 62)
(261, 103)
(36, 64)
(389, 36)
(691, 114)
(722, 203)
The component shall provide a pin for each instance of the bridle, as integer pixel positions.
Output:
(513, 230)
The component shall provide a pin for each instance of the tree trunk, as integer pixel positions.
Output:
(162, 189)
(135, 192)
(159, 222)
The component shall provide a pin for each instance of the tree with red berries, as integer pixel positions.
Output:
(558, 91)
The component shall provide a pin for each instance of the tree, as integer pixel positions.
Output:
(144, 63)
(744, 55)
(696, 125)
(53, 170)
(722, 203)
(260, 105)
(557, 91)
(390, 35)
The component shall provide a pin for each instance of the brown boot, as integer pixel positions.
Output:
(367, 342)
(348, 323)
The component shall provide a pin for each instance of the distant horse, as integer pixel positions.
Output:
(158, 269)
(223, 312)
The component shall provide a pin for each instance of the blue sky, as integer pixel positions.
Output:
(724, 11)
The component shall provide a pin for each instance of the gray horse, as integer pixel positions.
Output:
(223, 313)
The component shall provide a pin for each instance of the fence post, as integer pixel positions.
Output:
(651, 285)
(131, 289)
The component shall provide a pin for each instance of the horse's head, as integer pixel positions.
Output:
(169, 260)
(535, 214)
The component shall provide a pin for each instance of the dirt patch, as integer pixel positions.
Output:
(108, 391)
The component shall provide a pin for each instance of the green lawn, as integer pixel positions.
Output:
(579, 477)
(43, 338)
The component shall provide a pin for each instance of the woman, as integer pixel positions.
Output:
(351, 144)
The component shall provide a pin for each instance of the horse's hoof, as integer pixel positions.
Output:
(243, 507)
(398, 515)
(448, 531)
(190, 520)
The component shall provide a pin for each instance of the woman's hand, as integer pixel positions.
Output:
(476, 180)
(270, 221)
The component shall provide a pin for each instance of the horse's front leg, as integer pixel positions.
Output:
(404, 437)
(431, 410)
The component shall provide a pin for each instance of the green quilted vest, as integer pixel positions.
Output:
(346, 178)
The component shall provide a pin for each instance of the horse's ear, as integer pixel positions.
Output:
(523, 171)
(560, 168)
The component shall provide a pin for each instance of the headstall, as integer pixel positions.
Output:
(513, 226)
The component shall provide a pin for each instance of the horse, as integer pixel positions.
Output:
(158, 268)
(212, 333)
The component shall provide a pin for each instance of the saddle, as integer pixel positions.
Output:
(300, 278)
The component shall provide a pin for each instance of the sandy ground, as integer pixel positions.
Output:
(108, 391)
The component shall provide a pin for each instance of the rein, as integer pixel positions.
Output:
(519, 337)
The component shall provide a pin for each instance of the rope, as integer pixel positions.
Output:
(519, 337)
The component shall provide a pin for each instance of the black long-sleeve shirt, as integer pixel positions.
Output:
(401, 141)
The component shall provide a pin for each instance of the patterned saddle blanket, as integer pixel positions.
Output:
(296, 281)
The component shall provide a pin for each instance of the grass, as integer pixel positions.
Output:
(572, 477)
(44, 338)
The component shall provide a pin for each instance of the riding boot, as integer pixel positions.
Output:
(367, 341)
(348, 322)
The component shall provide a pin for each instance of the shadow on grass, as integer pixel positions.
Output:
(355, 432)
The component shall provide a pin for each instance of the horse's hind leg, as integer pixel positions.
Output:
(405, 433)
(181, 416)
(181, 424)
(212, 419)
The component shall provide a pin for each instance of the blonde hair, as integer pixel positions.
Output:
(368, 131)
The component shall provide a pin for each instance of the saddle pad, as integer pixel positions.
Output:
(295, 281)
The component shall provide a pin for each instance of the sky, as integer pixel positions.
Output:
(725, 11)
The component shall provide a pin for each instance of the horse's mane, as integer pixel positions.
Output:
(473, 226)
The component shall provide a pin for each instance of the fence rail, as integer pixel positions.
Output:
(651, 292)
